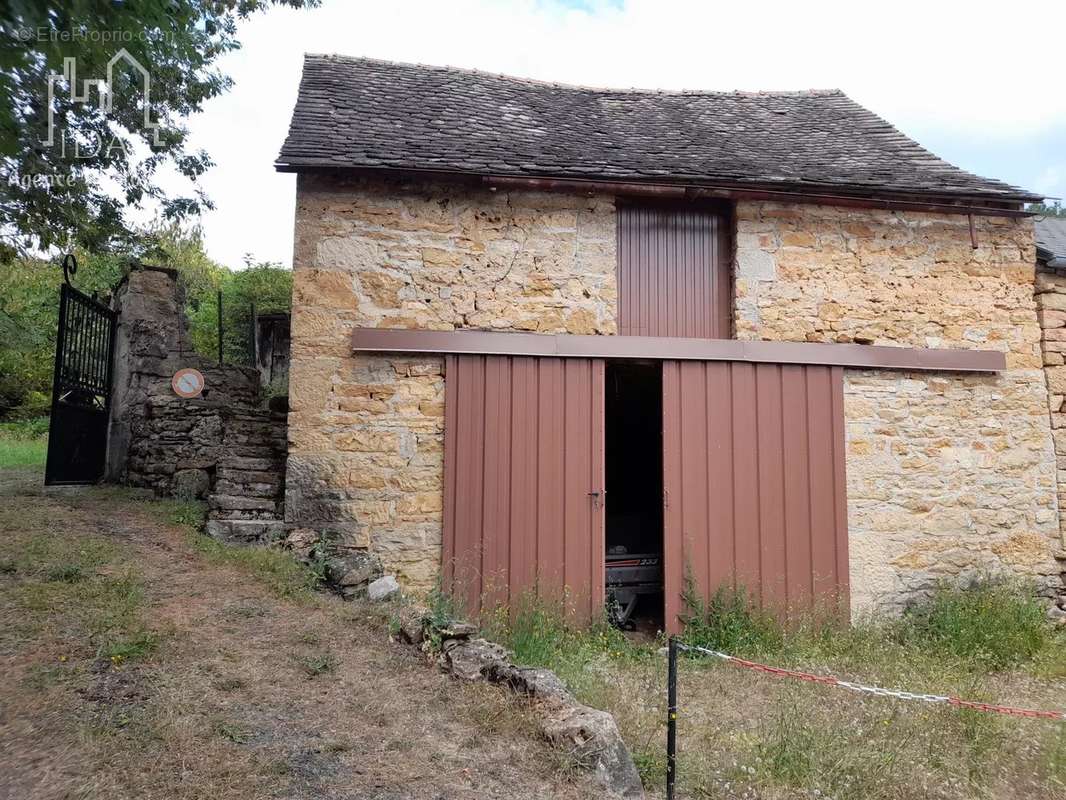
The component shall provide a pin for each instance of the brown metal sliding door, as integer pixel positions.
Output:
(523, 481)
(753, 469)
(674, 271)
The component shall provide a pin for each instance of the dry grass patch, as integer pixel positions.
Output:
(744, 734)
(146, 662)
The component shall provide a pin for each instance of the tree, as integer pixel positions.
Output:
(68, 184)
(1055, 209)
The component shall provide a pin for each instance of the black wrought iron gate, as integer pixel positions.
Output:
(81, 390)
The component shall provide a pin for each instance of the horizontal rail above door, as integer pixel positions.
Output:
(855, 356)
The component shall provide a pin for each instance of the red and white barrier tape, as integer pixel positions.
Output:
(898, 694)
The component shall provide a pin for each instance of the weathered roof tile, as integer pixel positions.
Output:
(358, 112)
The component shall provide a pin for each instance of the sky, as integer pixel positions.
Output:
(974, 84)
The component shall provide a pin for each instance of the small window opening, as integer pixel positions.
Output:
(634, 524)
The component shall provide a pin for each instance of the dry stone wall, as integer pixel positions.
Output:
(947, 474)
(366, 431)
(223, 446)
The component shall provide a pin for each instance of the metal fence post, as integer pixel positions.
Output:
(671, 718)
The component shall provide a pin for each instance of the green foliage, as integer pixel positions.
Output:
(25, 430)
(1055, 209)
(315, 664)
(729, 622)
(29, 305)
(266, 286)
(133, 647)
(540, 633)
(190, 513)
(983, 625)
(23, 443)
(994, 622)
(79, 190)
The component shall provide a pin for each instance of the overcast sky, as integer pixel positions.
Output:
(976, 85)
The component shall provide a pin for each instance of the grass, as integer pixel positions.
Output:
(23, 443)
(277, 569)
(142, 658)
(751, 735)
(315, 664)
(89, 595)
(18, 453)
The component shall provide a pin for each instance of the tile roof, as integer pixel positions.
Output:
(1051, 240)
(359, 112)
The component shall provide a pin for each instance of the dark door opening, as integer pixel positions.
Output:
(634, 471)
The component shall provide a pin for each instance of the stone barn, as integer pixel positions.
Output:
(604, 344)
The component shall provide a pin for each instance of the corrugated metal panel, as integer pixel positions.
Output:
(523, 449)
(674, 272)
(754, 483)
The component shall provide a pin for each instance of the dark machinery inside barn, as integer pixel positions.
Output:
(631, 578)
(634, 501)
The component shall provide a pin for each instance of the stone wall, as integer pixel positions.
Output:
(1051, 311)
(947, 474)
(366, 432)
(223, 440)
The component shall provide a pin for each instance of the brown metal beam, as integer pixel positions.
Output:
(856, 356)
(814, 194)
(697, 192)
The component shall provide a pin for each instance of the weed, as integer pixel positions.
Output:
(317, 664)
(443, 610)
(66, 573)
(25, 430)
(190, 513)
(651, 764)
(231, 732)
(730, 621)
(132, 647)
(285, 576)
(787, 752)
(23, 444)
(1055, 756)
(991, 622)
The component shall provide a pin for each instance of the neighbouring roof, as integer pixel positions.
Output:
(1051, 241)
(364, 113)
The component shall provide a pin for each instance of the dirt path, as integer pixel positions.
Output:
(228, 691)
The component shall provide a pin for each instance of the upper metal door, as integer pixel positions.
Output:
(755, 494)
(81, 390)
(674, 271)
(524, 481)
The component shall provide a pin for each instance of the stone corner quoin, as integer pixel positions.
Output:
(947, 473)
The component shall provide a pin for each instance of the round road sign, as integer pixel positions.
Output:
(187, 382)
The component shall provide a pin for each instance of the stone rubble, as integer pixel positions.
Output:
(383, 588)
(590, 735)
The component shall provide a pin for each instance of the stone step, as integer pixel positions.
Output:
(229, 502)
(249, 451)
(249, 489)
(255, 464)
(274, 476)
(245, 531)
(251, 516)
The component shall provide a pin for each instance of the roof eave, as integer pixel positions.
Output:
(947, 201)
